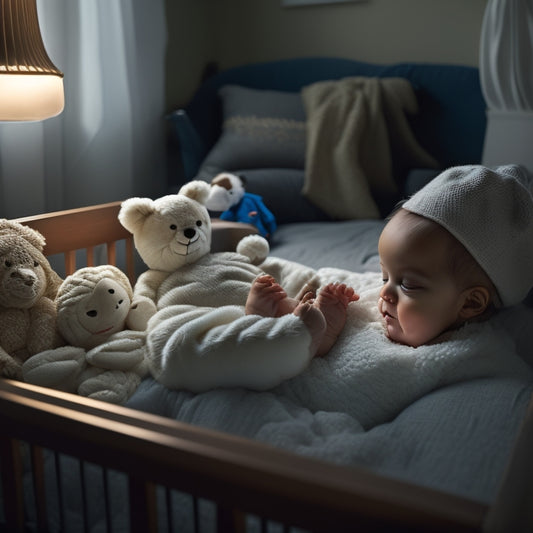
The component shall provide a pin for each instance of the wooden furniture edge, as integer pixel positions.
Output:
(225, 235)
(85, 225)
(264, 480)
(513, 507)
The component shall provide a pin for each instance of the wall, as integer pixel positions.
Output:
(234, 32)
(190, 46)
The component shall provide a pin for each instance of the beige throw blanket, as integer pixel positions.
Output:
(354, 125)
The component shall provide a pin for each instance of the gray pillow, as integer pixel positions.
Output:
(280, 189)
(261, 129)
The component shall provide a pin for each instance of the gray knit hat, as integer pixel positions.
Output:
(491, 213)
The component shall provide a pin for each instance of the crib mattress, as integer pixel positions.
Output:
(457, 438)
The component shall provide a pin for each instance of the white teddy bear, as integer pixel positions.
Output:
(169, 233)
(192, 302)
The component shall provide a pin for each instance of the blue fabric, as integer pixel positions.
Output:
(252, 210)
(192, 147)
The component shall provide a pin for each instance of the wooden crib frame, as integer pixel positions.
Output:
(239, 475)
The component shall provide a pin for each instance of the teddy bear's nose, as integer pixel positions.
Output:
(27, 279)
(189, 233)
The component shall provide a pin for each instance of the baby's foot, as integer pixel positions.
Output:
(315, 322)
(267, 298)
(333, 301)
(311, 286)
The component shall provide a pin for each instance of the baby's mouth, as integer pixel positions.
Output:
(388, 317)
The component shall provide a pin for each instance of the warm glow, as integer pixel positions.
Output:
(30, 96)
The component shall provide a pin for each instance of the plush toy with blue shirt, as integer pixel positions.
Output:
(229, 196)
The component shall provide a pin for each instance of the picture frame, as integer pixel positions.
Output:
(299, 3)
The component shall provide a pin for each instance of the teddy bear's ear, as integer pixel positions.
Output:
(134, 211)
(196, 190)
(8, 227)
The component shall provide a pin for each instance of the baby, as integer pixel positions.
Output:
(324, 315)
(456, 251)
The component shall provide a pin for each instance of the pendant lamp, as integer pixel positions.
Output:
(31, 86)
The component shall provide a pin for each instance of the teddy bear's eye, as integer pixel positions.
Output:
(173, 227)
(111, 291)
(35, 264)
(92, 313)
(8, 264)
(198, 223)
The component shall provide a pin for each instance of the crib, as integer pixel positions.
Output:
(249, 485)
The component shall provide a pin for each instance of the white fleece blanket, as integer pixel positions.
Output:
(443, 416)
(201, 339)
(372, 379)
(365, 376)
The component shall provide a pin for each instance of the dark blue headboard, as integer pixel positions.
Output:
(451, 123)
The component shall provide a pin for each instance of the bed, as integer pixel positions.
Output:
(457, 458)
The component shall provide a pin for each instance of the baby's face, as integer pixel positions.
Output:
(420, 299)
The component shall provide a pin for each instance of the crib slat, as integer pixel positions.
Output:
(70, 262)
(59, 486)
(12, 486)
(229, 519)
(111, 253)
(39, 487)
(107, 501)
(143, 506)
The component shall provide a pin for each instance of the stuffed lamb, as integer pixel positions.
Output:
(191, 302)
(101, 360)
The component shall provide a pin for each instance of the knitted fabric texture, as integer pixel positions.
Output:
(490, 211)
(76, 288)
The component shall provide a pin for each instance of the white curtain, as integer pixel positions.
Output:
(506, 55)
(506, 73)
(109, 142)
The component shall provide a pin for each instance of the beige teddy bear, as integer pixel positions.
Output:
(101, 360)
(28, 286)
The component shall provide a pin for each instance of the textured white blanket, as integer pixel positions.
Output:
(372, 379)
(201, 339)
(365, 375)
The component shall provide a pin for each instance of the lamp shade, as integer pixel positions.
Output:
(31, 86)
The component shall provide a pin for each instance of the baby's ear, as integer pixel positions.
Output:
(475, 303)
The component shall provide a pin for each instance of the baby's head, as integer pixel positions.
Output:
(457, 249)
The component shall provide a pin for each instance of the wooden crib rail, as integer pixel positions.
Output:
(239, 475)
(83, 229)
(231, 471)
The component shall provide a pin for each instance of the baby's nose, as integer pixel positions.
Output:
(387, 293)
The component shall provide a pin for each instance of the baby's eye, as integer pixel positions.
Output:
(408, 286)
